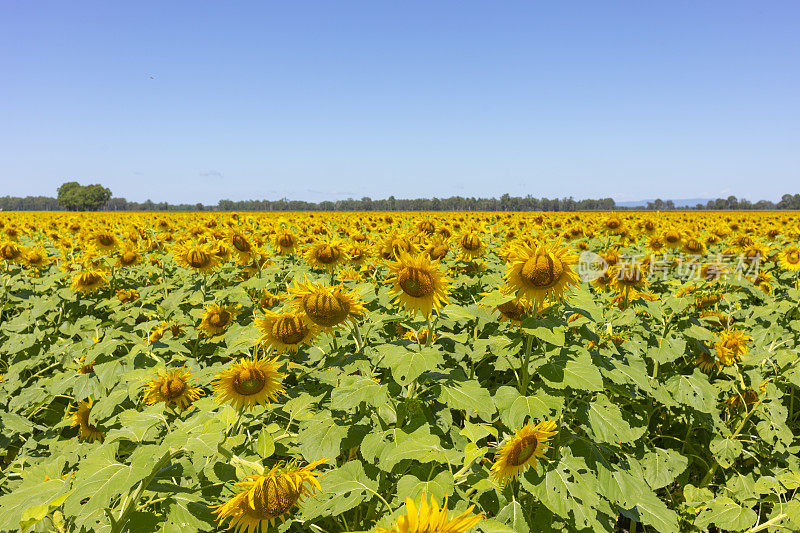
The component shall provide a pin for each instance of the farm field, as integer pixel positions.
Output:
(402, 372)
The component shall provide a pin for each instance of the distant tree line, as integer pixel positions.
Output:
(96, 197)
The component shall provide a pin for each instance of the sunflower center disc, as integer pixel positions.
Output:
(543, 270)
(523, 450)
(415, 282)
(197, 259)
(327, 255)
(325, 309)
(219, 319)
(273, 497)
(249, 382)
(241, 243)
(172, 388)
(290, 330)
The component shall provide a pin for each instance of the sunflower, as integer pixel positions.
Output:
(127, 295)
(706, 362)
(216, 319)
(672, 239)
(88, 281)
(284, 332)
(522, 450)
(325, 255)
(171, 387)
(285, 243)
(732, 344)
(241, 246)
(199, 257)
(80, 418)
(12, 252)
(104, 240)
(628, 279)
(358, 254)
(266, 497)
(36, 258)
(789, 258)
(430, 518)
(437, 249)
(268, 300)
(418, 284)
(158, 332)
(327, 307)
(349, 274)
(472, 246)
(250, 381)
(513, 311)
(536, 273)
(129, 257)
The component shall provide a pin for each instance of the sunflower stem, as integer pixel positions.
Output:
(526, 377)
(429, 336)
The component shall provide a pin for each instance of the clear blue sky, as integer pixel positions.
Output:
(197, 101)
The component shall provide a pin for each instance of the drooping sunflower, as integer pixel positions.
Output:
(789, 258)
(268, 497)
(217, 318)
(198, 257)
(285, 242)
(325, 255)
(522, 451)
(104, 240)
(268, 300)
(285, 332)
(81, 418)
(243, 248)
(37, 258)
(628, 280)
(731, 346)
(430, 518)
(129, 257)
(472, 246)
(706, 362)
(327, 307)
(127, 295)
(12, 252)
(248, 382)
(172, 388)
(88, 281)
(543, 271)
(513, 311)
(418, 284)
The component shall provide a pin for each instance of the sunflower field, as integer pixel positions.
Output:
(409, 373)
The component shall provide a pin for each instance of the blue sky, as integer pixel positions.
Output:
(199, 101)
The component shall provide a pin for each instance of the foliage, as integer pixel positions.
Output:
(646, 439)
(76, 197)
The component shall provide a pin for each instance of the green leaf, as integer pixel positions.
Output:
(320, 438)
(410, 486)
(725, 450)
(265, 446)
(607, 422)
(468, 396)
(662, 466)
(407, 365)
(726, 514)
(694, 391)
(14, 504)
(353, 390)
(343, 489)
(548, 329)
(419, 446)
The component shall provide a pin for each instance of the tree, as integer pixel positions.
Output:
(76, 197)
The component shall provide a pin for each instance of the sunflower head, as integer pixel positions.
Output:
(127, 295)
(522, 451)
(88, 281)
(418, 284)
(81, 417)
(269, 496)
(216, 319)
(430, 518)
(326, 307)
(248, 382)
(172, 388)
(789, 258)
(731, 346)
(325, 255)
(199, 257)
(12, 252)
(129, 257)
(285, 332)
(540, 271)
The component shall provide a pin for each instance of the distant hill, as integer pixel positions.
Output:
(685, 202)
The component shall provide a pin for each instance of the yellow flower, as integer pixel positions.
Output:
(12, 252)
(285, 332)
(127, 295)
(472, 246)
(171, 387)
(430, 518)
(522, 451)
(266, 497)
(199, 257)
(540, 272)
(789, 258)
(88, 281)
(81, 418)
(732, 344)
(417, 284)
(217, 318)
(285, 242)
(249, 382)
(327, 307)
(129, 257)
(325, 255)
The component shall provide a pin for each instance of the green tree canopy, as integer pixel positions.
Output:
(76, 197)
